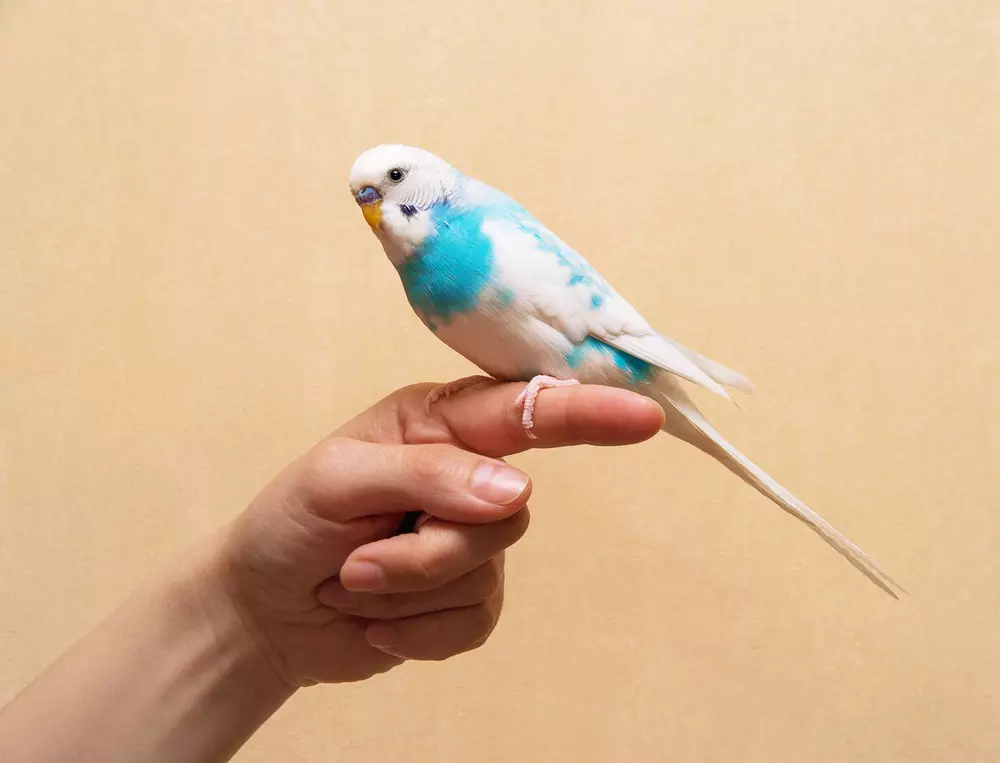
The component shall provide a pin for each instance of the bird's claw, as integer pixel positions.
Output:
(449, 389)
(526, 400)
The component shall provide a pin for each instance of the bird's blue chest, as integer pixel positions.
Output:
(449, 272)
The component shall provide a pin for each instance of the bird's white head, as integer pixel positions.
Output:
(395, 186)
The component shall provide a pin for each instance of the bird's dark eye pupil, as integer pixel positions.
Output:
(395, 175)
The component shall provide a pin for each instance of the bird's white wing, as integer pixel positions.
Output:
(567, 293)
(727, 377)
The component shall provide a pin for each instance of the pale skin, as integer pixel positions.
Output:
(311, 584)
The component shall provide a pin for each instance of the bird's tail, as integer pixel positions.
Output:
(685, 421)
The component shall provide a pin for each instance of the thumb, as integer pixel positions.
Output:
(342, 479)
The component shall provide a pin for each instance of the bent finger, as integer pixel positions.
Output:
(441, 552)
(471, 588)
(440, 635)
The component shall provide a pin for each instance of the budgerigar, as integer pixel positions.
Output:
(497, 286)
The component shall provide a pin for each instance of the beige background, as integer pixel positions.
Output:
(806, 191)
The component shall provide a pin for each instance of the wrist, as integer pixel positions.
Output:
(170, 676)
(228, 641)
(213, 669)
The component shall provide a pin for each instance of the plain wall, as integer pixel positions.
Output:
(808, 192)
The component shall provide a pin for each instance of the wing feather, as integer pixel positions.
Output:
(564, 291)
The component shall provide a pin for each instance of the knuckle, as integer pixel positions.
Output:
(406, 403)
(326, 456)
(459, 631)
(489, 579)
(481, 622)
(320, 466)
(470, 632)
(333, 449)
(422, 572)
(435, 643)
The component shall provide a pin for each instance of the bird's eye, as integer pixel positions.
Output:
(396, 175)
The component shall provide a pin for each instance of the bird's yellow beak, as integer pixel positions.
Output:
(373, 213)
(370, 201)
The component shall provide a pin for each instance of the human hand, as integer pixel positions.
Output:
(315, 570)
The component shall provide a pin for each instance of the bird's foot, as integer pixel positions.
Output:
(526, 400)
(449, 389)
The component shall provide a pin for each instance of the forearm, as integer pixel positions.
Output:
(171, 675)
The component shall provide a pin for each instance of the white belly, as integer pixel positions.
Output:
(503, 346)
(512, 346)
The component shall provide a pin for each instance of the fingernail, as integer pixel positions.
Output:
(381, 635)
(497, 483)
(363, 576)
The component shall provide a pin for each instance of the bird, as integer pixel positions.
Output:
(501, 289)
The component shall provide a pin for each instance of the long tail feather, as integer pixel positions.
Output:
(685, 421)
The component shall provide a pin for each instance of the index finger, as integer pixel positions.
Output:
(486, 420)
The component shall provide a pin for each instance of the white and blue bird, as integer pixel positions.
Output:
(498, 287)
